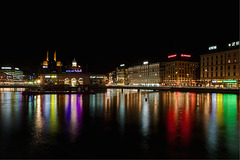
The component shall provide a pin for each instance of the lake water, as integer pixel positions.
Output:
(119, 124)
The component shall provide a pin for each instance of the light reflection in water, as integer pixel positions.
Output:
(207, 121)
(145, 117)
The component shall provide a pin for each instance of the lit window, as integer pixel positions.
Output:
(229, 61)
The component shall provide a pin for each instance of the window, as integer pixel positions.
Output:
(228, 67)
(234, 73)
(234, 66)
(229, 61)
(216, 74)
(228, 73)
(216, 68)
(216, 57)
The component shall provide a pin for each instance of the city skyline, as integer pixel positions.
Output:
(106, 39)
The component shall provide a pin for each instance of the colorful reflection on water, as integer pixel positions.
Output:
(143, 124)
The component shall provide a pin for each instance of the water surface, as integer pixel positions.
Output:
(118, 124)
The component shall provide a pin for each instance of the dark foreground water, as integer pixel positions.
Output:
(119, 124)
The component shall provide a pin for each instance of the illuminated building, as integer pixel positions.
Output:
(121, 75)
(12, 73)
(112, 77)
(51, 66)
(145, 74)
(180, 71)
(54, 73)
(5, 77)
(220, 68)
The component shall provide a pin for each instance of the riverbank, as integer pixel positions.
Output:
(181, 89)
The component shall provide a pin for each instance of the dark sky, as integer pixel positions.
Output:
(105, 35)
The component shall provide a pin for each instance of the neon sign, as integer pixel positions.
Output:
(212, 48)
(74, 70)
(185, 55)
(6, 67)
(171, 56)
(230, 81)
(233, 44)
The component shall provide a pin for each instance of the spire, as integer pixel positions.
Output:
(55, 56)
(47, 56)
(74, 63)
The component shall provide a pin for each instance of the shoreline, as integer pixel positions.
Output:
(165, 88)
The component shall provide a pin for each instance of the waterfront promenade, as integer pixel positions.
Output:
(154, 88)
(179, 88)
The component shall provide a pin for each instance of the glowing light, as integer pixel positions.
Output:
(96, 77)
(233, 44)
(171, 56)
(145, 62)
(74, 70)
(212, 48)
(53, 76)
(185, 55)
(230, 81)
(6, 67)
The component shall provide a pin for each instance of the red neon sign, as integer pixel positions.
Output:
(171, 56)
(185, 55)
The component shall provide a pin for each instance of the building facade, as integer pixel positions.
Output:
(221, 68)
(145, 74)
(181, 71)
(121, 75)
(73, 79)
(15, 73)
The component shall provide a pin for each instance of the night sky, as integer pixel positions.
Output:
(102, 36)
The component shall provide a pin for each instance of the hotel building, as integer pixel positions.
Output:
(145, 74)
(180, 71)
(220, 68)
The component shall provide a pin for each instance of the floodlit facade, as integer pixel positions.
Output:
(145, 74)
(221, 68)
(181, 73)
(121, 75)
(15, 74)
(54, 73)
